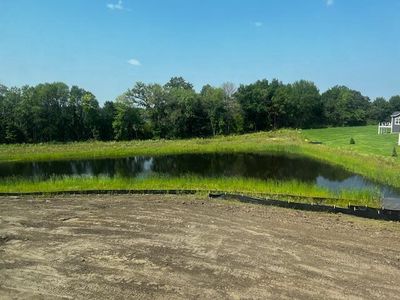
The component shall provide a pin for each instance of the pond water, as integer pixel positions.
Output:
(259, 166)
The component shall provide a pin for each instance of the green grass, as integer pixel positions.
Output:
(367, 140)
(299, 191)
(292, 141)
(257, 142)
(370, 156)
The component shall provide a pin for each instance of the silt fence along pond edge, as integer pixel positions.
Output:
(359, 211)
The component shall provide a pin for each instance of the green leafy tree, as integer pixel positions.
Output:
(3, 120)
(49, 102)
(153, 99)
(304, 105)
(380, 110)
(394, 103)
(233, 117)
(223, 111)
(128, 122)
(91, 115)
(12, 131)
(186, 113)
(345, 107)
(107, 115)
(213, 98)
(75, 114)
(280, 111)
(254, 100)
(178, 83)
(24, 115)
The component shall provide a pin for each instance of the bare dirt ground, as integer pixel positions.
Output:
(118, 247)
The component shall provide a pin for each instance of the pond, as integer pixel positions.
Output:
(258, 166)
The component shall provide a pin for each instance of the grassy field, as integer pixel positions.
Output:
(367, 142)
(370, 156)
(366, 139)
(258, 142)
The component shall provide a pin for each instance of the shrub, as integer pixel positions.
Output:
(352, 141)
(394, 152)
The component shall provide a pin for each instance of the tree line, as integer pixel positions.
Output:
(55, 112)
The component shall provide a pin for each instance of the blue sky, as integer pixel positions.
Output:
(106, 46)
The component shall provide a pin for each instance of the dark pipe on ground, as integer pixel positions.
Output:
(359, 211)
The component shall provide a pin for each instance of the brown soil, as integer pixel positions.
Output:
(118, 247)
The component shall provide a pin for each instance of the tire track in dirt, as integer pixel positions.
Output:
(152, 246)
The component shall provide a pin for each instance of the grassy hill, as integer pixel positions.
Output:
(366, 139)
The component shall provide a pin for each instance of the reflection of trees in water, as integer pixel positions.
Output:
(129, 167)
(126, 167)
(278, 167)
(44, 170)
(259, 166)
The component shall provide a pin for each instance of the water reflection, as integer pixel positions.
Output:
(265, 166)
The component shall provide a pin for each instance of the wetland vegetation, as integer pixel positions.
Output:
(284, 143)
(370, 156)
(295, 190)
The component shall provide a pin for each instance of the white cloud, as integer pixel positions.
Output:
(134, 62)
(258, 24)
(329, 2)
(116, 6)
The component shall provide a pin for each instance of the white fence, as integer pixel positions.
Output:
(384, 127)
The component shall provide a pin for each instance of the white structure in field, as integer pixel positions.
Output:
(391, 127)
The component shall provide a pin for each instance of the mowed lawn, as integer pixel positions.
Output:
(366, 139)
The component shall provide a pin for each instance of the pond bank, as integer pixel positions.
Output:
(383, 169)
(303, 191)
